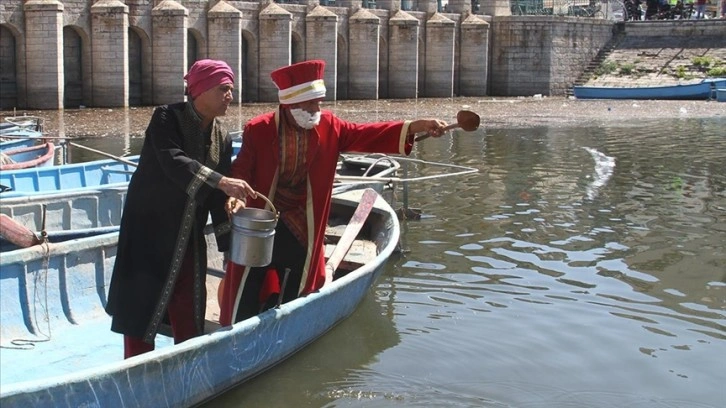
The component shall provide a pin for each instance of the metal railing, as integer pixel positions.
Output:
(601, 9)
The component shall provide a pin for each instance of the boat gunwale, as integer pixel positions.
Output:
(49, 153)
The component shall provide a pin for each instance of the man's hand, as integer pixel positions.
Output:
(431, 127)
(233, 205)
(236, 188)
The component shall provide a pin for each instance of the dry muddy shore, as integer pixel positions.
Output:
(495, 113)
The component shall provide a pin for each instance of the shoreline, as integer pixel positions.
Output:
(495, 112)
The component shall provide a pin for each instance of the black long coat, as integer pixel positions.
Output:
(170, 197)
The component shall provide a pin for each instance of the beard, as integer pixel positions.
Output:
(305, 119)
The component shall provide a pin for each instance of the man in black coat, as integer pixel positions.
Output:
(161, 261)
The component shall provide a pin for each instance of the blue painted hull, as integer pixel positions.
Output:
(41, 155)
(96, 174)
(82, 365)
(67, 177)
(697, 91)
(79, 209)
(57, 237)
(103, 174)
(24, 133)
(15, 144)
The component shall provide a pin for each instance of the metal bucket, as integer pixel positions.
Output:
(253, 234)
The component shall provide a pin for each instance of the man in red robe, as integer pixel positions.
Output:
(290, 156)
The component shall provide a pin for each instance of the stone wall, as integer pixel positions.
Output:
(135, 52)
(56, 54)
(542, 54)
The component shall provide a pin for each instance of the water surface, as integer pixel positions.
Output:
(584, 265)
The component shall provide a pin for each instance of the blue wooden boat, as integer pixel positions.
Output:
(70, 177)
(72, 359)
(59, 236)
(111, 173)
(67, 177)
(26, 122)
(8, 144)
(41, 155)
(20, 131)
(60, 211)
(695, 91)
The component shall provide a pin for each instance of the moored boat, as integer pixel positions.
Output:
(703, 90)
(41, 155)
(78, 209)
(7, 144)
(20, 131)
(721, 94)
(67, 177)
(25, 122)
(63, 353)
(112, 173)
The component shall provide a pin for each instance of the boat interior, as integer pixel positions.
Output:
(64, 329)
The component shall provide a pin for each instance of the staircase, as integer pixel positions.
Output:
(618, 35)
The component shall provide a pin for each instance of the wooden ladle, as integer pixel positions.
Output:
(465, 119)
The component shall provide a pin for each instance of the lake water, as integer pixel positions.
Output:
(584, 265)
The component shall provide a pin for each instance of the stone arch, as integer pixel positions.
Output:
(140, 67)
(297, 52)
(195, 47)
(10, 69)
(250, 68)
(343, 69)
(77, 65)
(382, 68)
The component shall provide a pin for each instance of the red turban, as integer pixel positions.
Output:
(206, 74)
(300, 82)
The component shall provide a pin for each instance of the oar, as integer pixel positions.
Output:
(109, 155)
(45, 137)
(350, 233)
(90, 149)
(465, 119)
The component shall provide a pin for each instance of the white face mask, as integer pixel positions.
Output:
(305, 119)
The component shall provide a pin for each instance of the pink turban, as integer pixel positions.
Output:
(206, 74)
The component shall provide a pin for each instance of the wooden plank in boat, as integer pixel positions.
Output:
(360, 253)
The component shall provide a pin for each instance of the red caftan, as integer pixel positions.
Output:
(258, 164)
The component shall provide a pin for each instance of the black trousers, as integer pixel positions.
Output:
(286, 253)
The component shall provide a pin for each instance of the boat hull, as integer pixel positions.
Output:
(9, 144)
(67, 177)
(172, 375)
(697, 91)
(21, 131)
(41, 155)
(102, 174)
(83, 208)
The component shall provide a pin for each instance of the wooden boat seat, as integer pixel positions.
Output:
(360, 253)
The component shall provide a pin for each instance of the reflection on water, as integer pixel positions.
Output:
(584, 266)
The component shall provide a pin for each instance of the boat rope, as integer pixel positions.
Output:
(42, 274)
(462, 170)
(378, 160)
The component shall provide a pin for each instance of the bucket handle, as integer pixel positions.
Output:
(267, 200)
